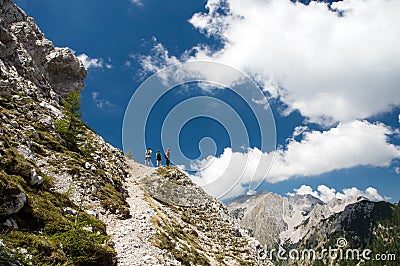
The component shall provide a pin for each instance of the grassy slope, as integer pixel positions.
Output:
(47, 234)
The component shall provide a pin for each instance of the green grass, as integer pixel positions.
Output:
(46, 234)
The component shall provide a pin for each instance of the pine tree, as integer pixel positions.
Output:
(69, 125)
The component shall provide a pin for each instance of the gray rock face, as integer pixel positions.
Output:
(262, 214)
(26, 54)
(189, 220)
(175, 189)
(360, 224)
(10, 222)
(66, 72)
(14, 204)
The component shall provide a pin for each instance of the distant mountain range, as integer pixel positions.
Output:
(303, 222)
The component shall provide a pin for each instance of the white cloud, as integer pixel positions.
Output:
(345, 146)
(101, 103)
(327, 194)
(158, 59)
(108, 64)
(330, 67)
(90, 62)
(180, 70)
(304, 190)
(299, 130)
(137, 2)
(397, 170)
(94, 62)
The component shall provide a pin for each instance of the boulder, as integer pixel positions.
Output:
(66, 72)
(14, 204)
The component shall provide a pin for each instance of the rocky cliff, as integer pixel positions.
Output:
(80, 201)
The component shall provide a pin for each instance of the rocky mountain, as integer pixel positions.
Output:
(69, 198)
(261, 214)
(274, 220)
(367, 232)
(303, 222)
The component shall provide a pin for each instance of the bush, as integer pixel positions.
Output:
(129, 154)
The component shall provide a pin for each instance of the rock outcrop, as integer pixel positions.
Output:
(30, 63)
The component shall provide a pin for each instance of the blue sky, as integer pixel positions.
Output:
(331, 75)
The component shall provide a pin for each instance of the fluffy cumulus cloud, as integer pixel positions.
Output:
(94, 62)
(327, 194)
(330, 65)
(345, 146)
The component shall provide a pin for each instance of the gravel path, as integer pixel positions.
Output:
(132, 236)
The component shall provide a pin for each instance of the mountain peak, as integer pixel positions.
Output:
(305, 198)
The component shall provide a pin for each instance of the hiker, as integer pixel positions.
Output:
(147, 159)
(158, 158)
(167, 157)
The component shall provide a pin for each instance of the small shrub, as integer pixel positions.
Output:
(129, 154)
